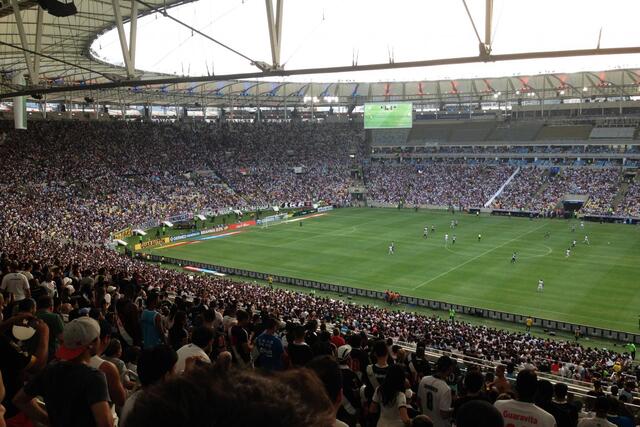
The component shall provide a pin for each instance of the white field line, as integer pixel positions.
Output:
(476, 257)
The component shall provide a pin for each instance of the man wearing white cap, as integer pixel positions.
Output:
(70, 380)
(348, 411)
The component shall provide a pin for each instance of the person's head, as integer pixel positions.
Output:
(27, 305)
(327, 369)
(544, 392)
(180, 319)
(381, 351)
(152, 300)
(270, 325)
(473, 382)
(209, 315)
(105, 335)
(298, 333)
(336, 332)
(560, 391)
(393, 384)
(597, 385)
(478, 413)
(500, 370)
(235, 398)
(45, 303)
(156, 364)
(114, 348)
(420, 349)
(445, 366)
(242, 317)
(80, 340)
(202, 337)
(344, 354)
(614, 390)
(526, 385)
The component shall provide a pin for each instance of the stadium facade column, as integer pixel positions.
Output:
(23, 41)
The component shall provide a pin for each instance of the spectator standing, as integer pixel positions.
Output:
(269, 348)
(599, 419)
(389, 399)
(200, 347)
(435, 394)
(53, 320)
(326, 368)
(473, 382)
(70, 380)
(151, 323)
(154, 366)
(240, 346)
(523, 411)
(351, 402)
(15, 284)
(14, 363)
(560, 402)
(299, 351)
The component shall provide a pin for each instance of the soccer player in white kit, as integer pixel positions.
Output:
(540, 285)
(391, 248)
(586, 239)
(568, 252)
(446, 239)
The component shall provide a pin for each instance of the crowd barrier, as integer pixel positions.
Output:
(555, 325)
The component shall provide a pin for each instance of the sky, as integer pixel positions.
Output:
(324, 33)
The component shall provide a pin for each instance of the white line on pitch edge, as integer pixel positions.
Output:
(476, 257)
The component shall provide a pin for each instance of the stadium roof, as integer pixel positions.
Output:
(68, 59)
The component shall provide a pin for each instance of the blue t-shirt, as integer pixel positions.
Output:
(150, 334)
(270, 352)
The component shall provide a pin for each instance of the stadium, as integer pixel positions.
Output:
(206, 220)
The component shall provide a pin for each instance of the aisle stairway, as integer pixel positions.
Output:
(501, 189)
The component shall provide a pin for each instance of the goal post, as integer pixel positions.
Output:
(272, 220)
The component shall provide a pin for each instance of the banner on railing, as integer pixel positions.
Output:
(242, 224)
(216, 229)
(325, 208)
(149, 243)
(184, 236)
(122, 234)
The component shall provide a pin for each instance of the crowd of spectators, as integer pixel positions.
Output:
(149, 314)
(630, 204)
(123, 339)
(541, 189)
(436, 183)
(96, 177)
(503, 148)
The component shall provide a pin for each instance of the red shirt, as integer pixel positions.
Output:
(337, 340)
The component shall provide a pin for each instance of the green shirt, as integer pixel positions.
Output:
(54, 322)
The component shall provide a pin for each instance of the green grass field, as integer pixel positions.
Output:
(597, 285)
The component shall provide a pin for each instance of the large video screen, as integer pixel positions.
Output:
(388, 115)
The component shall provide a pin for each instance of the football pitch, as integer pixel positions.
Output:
(597, 284)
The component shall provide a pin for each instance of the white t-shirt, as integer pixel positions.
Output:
(16, 284)
(435, 396)
(595, 422)
(523, 414)
(187, 351)
(390, 414)
(128, 407)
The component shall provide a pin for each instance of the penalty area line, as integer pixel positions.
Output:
(454, 268)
